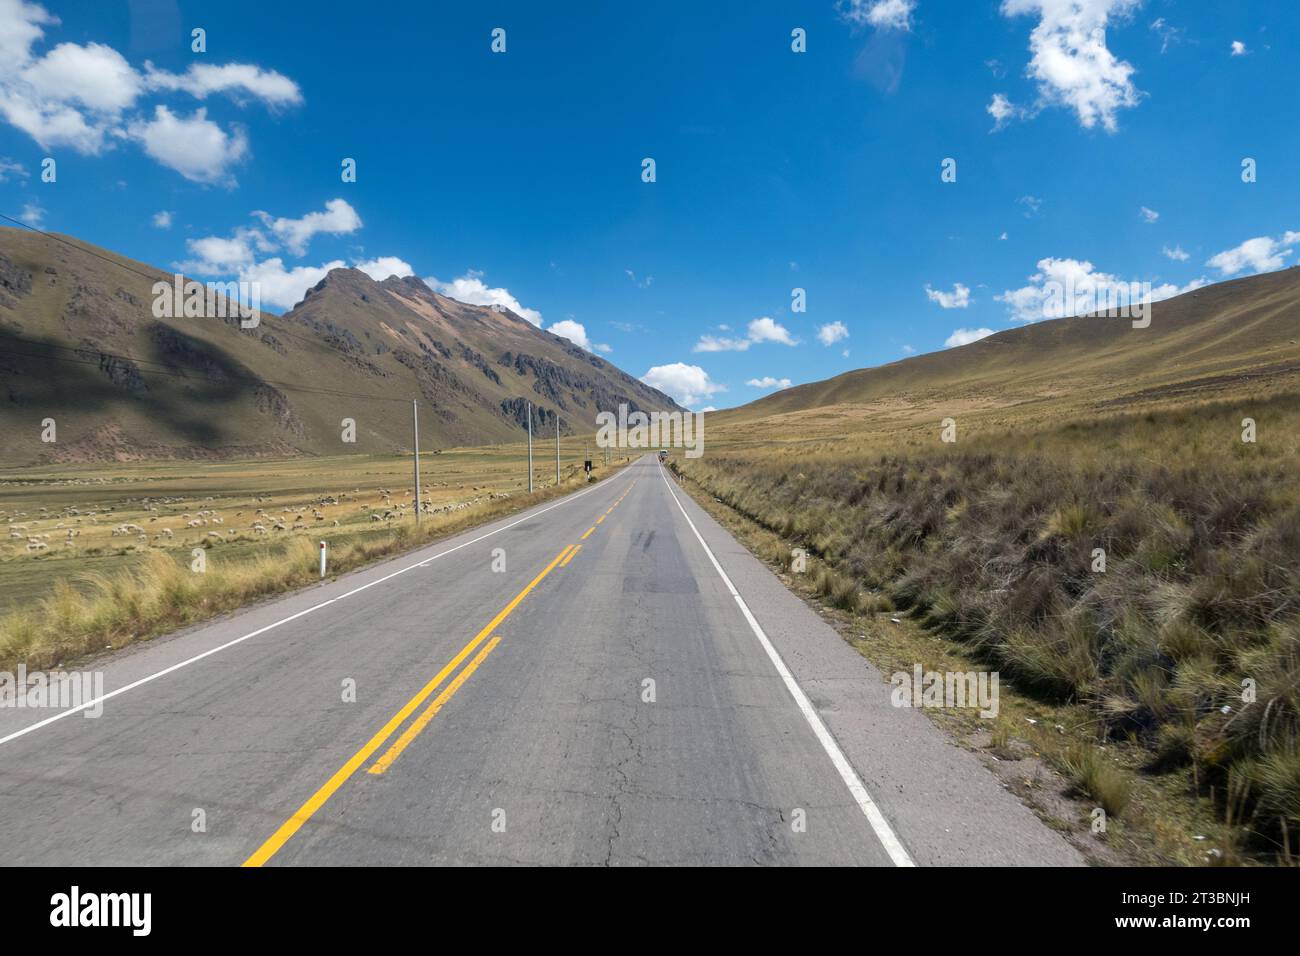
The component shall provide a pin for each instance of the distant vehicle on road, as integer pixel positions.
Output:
(663, 454)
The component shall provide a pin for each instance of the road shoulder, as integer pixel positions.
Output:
(947, 808)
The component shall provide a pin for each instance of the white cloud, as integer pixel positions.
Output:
(96, 76)
(44, 96)
(765, 330)
(687, 384)
(908, 350)
(713, 343)
(958, 298)
(1238, 48)
(1003, 110)
(162, 219)
(221, 255)
(32, 214)
(1032, 204)
(338, 219)
(767, 381)
(576, 333)
(381, 267)
(1169, 35)
(1261, 254)
(1065, 287)
(197, 148)
(81, 96)
(758, 331)
(965, 337)
(881, 14)
(470, 288)
(1070, 59)
(20, 28)
(644, 283)
(832, 332)
(284, 288)
(1176, 253)
(1148, 215)
(9, 168)
(202, 79)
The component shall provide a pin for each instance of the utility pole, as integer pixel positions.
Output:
(557, 449)
(415, 426)
(530, 447)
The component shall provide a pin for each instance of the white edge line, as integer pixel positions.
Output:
(884, 832)
(262, 630)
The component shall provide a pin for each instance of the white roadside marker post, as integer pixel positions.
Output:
(322, 559)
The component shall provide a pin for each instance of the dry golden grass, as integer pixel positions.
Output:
(160, 592)
(991, 542)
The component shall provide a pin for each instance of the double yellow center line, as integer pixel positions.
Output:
(304, 813)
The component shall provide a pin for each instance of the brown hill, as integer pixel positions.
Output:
(79, 344)
(1203, 342)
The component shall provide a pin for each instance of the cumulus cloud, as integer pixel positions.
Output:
(1176, 253)
(1148, 215)
(202, 80)
(1261, 254)
(337, 219)
(1070, 61)
(95, 76)
(688, 385)
(1065, 287)
(221, 255)
(1238, 48)
(381, 267)
(958, 298)
(196, 147)
(85, 97)
(1003, 110)
(576, 333)
(283, 287)
(767, 381)
(881, 14)
(832, 332)
(162, 219)
(471, 289)
(759, 331)
(965, 337)
(245, 253)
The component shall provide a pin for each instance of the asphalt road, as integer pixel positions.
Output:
(656, 697)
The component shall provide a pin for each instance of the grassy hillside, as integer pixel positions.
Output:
(1208, 341)
(79, 344)
(1073, 437)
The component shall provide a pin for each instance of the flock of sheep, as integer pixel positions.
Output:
(72, 521)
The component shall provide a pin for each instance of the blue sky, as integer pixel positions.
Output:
(1101, 138)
